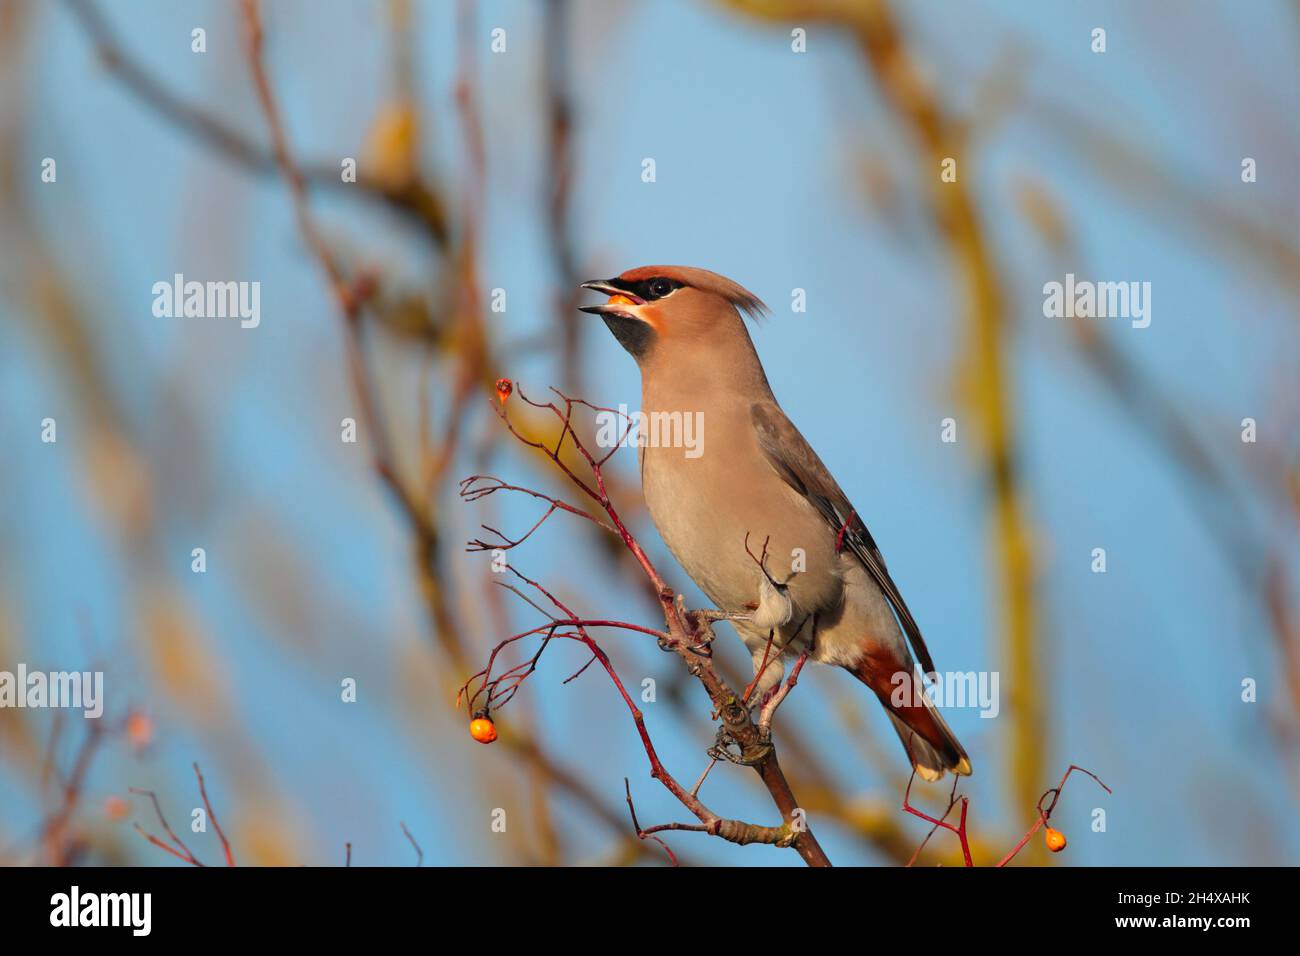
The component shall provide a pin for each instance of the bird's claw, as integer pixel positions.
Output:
(699, 650)
(765, 709)
(724, 742)
(717, 614)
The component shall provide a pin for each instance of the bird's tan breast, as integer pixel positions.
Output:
(706, 506)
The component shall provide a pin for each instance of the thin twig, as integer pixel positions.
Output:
(216, 825)
(419, 854)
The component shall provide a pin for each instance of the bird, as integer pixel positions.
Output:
(752, 514)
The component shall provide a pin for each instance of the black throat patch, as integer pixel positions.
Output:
(633, 334)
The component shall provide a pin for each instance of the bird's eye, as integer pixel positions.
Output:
(661, 287)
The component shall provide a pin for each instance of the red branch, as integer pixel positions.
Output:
(178, 848)
(216, 825)
(1044, 814)
(959, 829)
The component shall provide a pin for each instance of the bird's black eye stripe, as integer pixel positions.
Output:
(656, 287)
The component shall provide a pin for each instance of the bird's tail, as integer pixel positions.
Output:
(930, 743)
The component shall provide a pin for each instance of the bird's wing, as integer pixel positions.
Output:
(790, 455)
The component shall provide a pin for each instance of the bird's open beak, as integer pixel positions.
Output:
(619, 300)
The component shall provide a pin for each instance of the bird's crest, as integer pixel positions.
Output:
(749, 304)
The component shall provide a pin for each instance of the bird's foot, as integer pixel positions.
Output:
(701, 624)
(764, 710)
(728, 748)
(775, 694)
(699, 650)
(691, 623)
(712, 614)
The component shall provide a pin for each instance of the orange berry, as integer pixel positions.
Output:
(139, 730)
(483, 730)
(1055, 840)
(619, 300)
(504, 388)
(115, 808)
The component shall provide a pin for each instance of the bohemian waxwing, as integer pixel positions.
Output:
(750, 511)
